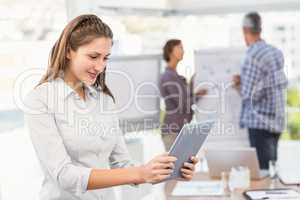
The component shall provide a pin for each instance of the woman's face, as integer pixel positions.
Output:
(178, 52)
(89, 60)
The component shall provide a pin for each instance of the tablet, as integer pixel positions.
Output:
(187, 144)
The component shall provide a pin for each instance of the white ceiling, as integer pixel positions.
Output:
(203, 5)
(230, 6)
(178, 7)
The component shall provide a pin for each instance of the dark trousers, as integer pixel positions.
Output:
(266, 144)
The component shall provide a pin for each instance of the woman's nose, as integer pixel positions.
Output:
(99, 66)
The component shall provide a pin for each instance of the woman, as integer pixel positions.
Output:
(176, 92)
(72, 124)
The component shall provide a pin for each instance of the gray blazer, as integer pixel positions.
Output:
(178, 98)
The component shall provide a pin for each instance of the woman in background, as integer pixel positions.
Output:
(72, 125)
(177, 93)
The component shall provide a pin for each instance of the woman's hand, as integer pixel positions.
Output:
(188, 169)
(157, 169)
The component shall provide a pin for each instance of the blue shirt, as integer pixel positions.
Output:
(263, 84)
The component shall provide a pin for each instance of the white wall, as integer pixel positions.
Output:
(150, 4)
(77, 7)
(221, 6)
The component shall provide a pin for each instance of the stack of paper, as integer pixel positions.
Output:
(198, 188)
(290, 177)
(276, 194)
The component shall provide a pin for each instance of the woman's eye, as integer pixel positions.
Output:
(93, 57)
(106, 58)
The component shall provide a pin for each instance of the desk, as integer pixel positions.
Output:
(236, 195)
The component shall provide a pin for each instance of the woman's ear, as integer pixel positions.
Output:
(68, 55)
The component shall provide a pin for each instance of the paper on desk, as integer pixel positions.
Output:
(274, 194)
(290, 176)
(198, 188)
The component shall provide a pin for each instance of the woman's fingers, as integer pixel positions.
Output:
(162, 177)
(188, 166)
(194, 159)
(186, 171)
(163, 172)
(187, 177)
(164, 166)
(163, 154)
(166, 159)
(158, 168)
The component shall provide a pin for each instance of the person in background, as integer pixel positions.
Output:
(176, 92)
(261, 84)
(75, 136)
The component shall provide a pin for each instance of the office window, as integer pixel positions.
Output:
(31, 27)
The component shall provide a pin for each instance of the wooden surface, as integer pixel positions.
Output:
(236, 195)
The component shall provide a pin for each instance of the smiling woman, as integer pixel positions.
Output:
(86, 62)
(80, 148)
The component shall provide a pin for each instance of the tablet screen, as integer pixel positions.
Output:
(188, 143)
